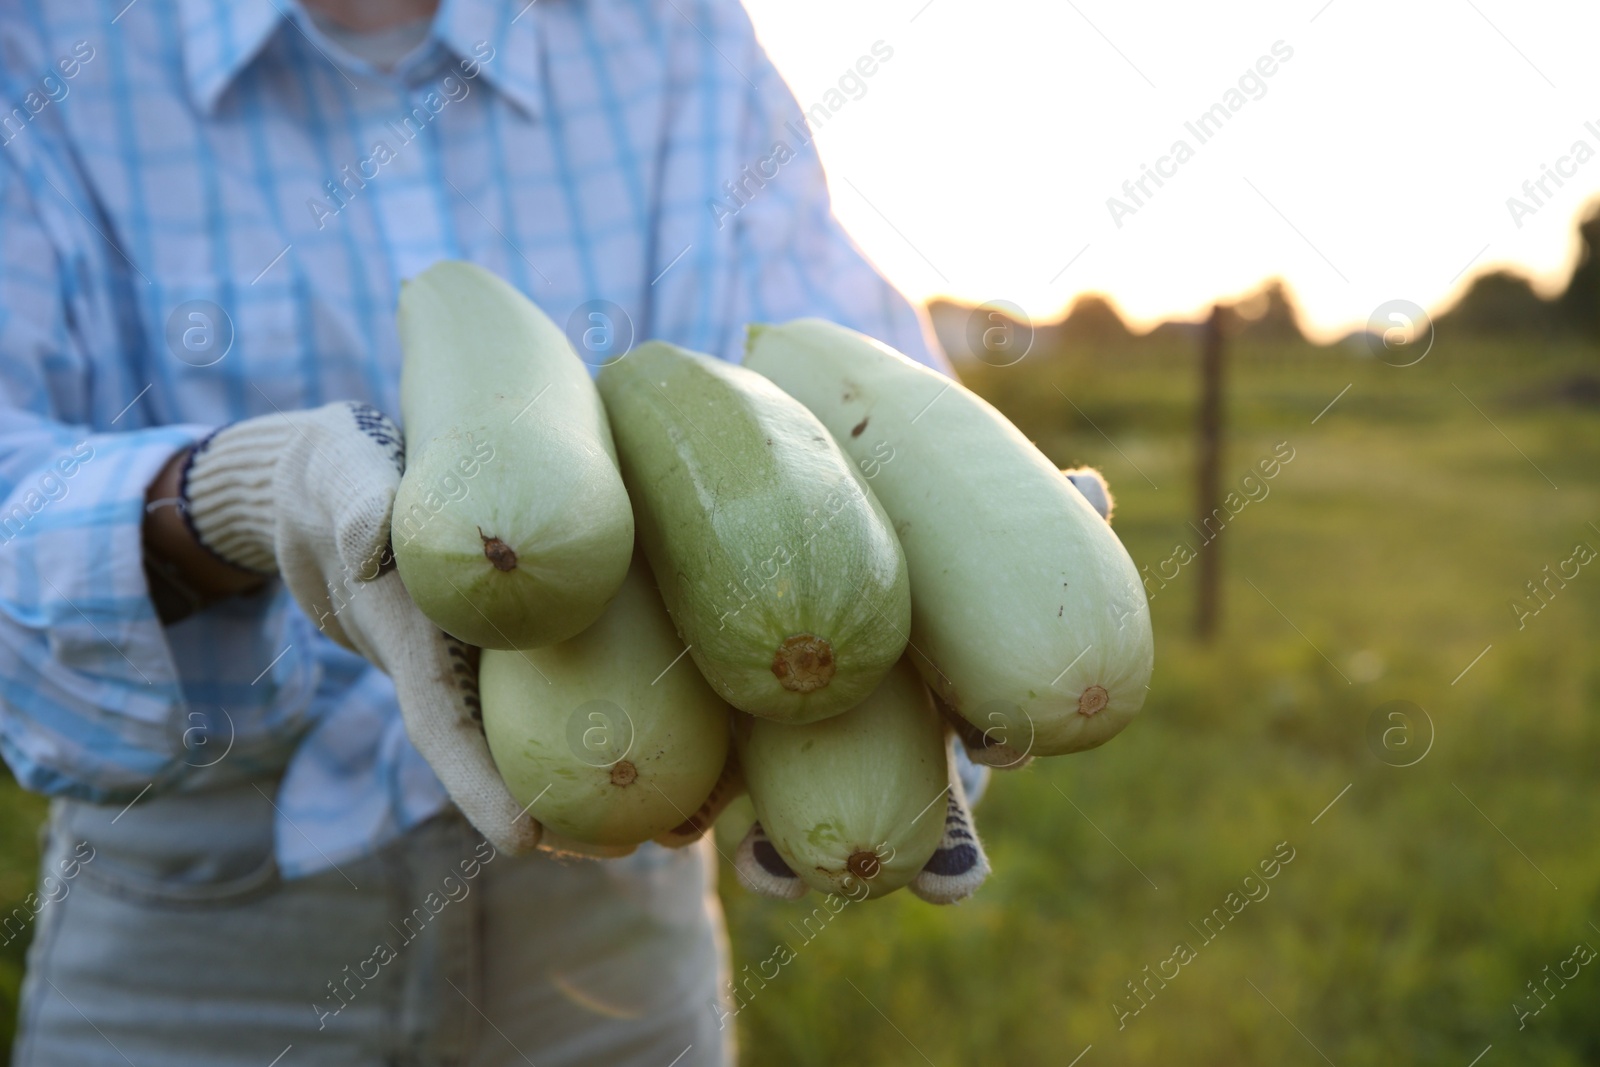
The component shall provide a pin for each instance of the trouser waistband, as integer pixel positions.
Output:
(215, 843)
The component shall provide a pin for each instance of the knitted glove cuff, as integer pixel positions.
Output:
(227, 490)
(1092, 484)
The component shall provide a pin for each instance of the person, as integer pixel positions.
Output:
(269, 839)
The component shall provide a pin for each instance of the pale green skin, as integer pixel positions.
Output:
(732, 481)
(734, 823)
(870, 780)
(476, 353)
(1013, 574)
(677, 743)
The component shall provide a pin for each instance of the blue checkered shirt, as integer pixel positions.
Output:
(206, 209)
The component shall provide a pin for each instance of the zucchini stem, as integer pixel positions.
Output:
(803, 663)
(502, 555)
(1093, 699)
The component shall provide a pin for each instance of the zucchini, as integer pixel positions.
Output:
(776, 562)
(511, 526)
(1028, 617)
(857, 799)
(734, 822)
(609, 744)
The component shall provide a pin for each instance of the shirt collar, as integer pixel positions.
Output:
(507, 31)
(220, 38)
(500, 38)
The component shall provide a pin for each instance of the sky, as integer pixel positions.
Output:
(1374, 163)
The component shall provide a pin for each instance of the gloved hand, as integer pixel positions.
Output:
(307, 495)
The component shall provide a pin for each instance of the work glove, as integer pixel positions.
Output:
(1092, 484)
(307, 496)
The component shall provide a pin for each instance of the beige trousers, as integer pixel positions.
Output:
(173, 942)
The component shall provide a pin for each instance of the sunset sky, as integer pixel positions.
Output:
(1373, 164)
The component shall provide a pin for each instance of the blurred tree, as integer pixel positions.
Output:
(1266, 315)
(1093, 320)
(949, 321)
(1499, 304)
(1578, 309)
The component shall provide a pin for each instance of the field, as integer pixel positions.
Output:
(1416, 903)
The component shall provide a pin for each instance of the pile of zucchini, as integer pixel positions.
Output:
(803, 577)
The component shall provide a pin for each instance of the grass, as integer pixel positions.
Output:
(21, 816)
(1416, 907)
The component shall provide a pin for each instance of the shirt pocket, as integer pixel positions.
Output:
(177, 850)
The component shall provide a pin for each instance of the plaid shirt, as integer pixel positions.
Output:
(206, 208)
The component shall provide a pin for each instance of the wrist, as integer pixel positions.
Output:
(184, 574)
(226, 484)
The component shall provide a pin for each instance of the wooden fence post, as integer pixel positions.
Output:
(1207, 482)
